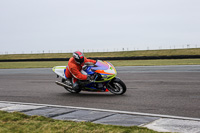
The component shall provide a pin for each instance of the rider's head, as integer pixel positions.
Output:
(78, 57)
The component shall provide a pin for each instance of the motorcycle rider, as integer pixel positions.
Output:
(74, 68)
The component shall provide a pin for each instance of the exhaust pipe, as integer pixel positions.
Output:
(63, 85)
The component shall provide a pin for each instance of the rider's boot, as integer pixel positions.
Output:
(68, 82)
(75, 86)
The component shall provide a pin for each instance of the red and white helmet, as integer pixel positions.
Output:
(78, 57)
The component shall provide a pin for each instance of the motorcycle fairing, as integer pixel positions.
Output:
(106, 69)
(93, 87)
(60, 70)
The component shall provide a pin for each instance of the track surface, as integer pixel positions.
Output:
(167, 90)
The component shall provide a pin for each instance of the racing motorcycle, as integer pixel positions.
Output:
(105, 79)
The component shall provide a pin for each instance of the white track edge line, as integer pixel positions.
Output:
(106, 110)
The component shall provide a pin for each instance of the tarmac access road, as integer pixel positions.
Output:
(165, 90)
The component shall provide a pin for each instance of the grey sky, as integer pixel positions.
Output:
(37, 25)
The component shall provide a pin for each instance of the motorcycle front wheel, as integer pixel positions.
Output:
(116, 86)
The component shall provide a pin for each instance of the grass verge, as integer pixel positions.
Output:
(169, 52)
(50, 64)
(20, 123)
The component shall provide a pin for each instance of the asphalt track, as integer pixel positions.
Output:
(167, 90)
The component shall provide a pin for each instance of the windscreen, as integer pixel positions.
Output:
(100, 65)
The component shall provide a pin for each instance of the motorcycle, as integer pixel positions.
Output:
(105, 79)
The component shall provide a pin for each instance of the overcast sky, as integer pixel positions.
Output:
(68, 25)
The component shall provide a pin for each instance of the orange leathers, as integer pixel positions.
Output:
(73, 69)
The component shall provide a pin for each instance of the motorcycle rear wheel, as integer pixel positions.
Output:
(72, 91)
(117, 86)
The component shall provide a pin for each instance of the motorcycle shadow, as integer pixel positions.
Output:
(90, 94)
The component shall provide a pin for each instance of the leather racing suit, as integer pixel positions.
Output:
(73, 69)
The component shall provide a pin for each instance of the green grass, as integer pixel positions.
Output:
(42, 64)
(163, 62)
(193, 51)
(50, 64)
(21, 123)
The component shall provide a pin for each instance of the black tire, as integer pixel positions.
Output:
(116, 86)
(72, 91)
